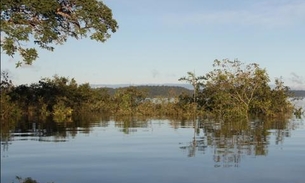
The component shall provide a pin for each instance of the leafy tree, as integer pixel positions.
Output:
(9, 111)
(234, 85)
(128, 99)
(58, 96)
(234, 89)
(195, 81)
(280, 103)
(6, 83)
(51, 22)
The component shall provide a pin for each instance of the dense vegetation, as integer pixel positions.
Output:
(231, 90)
(234, 89)
(62, 98)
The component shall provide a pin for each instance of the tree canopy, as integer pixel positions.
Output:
(237, 89)
(51, 22)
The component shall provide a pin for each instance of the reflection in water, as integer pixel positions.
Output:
(4, 149)
(130, 124)
(228, 141)
(48, 130)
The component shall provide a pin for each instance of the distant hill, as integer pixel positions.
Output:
(114, 86)
(164, 91)
(167, 91)
(298, 93)
(155, 90)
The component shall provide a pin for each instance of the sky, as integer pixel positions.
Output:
(159, 41)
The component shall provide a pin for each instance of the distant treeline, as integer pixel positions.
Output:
(298, 93)
(154, 91)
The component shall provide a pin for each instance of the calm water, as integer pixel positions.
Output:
(158, 150)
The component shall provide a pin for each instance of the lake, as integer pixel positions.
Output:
(157, 150)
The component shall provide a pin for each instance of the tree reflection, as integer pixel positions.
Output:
(130, 124)
(228, 140)
(232, 140)
(48, 130)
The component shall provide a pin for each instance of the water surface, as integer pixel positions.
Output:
(158, 150)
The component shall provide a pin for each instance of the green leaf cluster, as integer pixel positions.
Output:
(236, 89)
(59, 97)
(51, 22)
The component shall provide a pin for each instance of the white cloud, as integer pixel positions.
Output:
(268, 13)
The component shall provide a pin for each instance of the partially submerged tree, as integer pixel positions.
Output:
(127, 100)
(51, 22)
(234, 86)
(195, 81)
(9, 111)
(236, 89)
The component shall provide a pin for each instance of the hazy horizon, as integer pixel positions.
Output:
(185, 85)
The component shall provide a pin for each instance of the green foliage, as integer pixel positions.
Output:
(61, 112)
(58, 97)
(63, 99)
(10, 111)
(232, 90)
(52, 22)
(236, 90)
(232, 86)
(127, 100)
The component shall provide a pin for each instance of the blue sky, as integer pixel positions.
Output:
(160, 41)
